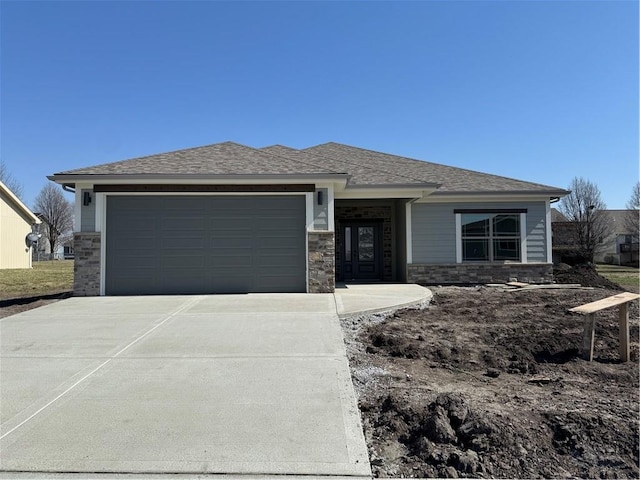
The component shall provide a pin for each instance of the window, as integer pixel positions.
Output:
(488, 237)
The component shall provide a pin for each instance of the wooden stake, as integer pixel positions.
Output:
(623, 319)
(589, 335)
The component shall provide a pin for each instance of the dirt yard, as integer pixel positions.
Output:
(13, 306)
(489, 383)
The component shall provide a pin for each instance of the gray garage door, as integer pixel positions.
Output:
(205, 244)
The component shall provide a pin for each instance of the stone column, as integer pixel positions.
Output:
(86, 269)
(322, 270)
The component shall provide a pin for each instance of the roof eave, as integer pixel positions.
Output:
(18, 203)
(550, 192)
(396, 186)
(407, 191)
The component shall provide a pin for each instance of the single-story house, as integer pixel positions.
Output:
(16, 222)
(64, 251)
(227, 218)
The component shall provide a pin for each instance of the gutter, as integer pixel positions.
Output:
(556, 193)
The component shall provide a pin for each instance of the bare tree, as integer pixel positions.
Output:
(9, 180)
(632, 218)
(584, 208)
(56, 214)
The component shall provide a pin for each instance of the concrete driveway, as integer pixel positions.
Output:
(251, 384)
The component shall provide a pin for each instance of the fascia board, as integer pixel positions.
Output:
(490, 197)
(18, 203)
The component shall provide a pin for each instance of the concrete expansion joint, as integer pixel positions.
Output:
(168, 317)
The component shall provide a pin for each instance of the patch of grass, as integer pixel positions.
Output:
(45, 278)
(627, 277)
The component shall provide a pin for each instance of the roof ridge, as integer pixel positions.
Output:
(439, 164)
(301, 161)
(279, 145)
(350, 161)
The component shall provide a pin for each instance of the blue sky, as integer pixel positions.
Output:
(537, 90)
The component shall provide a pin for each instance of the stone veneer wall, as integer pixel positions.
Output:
(467, 273)
(86, 269)
(347, 213)
(322, 274)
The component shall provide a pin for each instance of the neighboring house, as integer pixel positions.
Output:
(16, 222)
(620, 246)
(64, 251)
(564, 238)
(227, 218)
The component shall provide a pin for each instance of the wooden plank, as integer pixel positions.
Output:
(551, 286)
(589, 336)
(598, 305)
(623, 318)
(517, 284)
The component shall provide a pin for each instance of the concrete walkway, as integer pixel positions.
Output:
(357, 298)
(222, 384)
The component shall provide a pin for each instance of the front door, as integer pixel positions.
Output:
(362, 251)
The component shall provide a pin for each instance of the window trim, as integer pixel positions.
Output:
(503, 211)
(523, 232)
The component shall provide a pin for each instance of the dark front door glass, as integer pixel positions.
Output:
(361, 252)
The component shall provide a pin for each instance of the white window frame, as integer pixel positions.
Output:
(523, 239)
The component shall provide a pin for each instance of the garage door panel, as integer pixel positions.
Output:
(229, 203)
(169, 223)
(128, 241)
(205, 244)
(232, 243)
(225, 264)
(279, 242)
(174, 264)
(279, 262)
(185, 244)
(231, 221)
(275, 204)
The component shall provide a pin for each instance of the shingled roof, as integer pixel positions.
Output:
(364, 168)
(227, 158)
(359, 175)
(450, 179)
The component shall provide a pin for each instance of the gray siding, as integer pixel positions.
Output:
(536, 232)
(401, 240)
(433, 230)
(433, 233)
(88, 213)
(321, 212)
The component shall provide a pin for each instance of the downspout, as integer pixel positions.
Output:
(67, 188)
